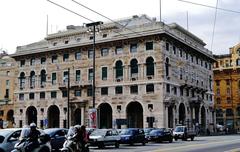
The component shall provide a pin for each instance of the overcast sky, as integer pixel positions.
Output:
(24, 21)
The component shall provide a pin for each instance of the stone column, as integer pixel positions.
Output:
(82, 115)
(174, 113)
(166, 116)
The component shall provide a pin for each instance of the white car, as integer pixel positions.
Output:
(104, 137)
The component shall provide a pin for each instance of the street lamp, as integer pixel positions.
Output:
(68, 97)
(92, 28)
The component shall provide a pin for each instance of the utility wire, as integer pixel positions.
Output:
(214, 24)
(223, 9)
(79, 15)
(106, 17)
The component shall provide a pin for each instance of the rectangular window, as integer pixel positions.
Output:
(77, 93)
(180, 53)
(78, 75)
(64, 93)
(104, 73)
(167, 46)
(168, 88)
(228, 82)
(175, 90)
(134, 89)
(53, 94)
(78, 55)
(42, 95)
(133, 47)
(150, 88)
(217, 83)
(65, 76)
(181, 91)
(43, 60)
(90, 54)
(89, 91)
(32, 61)
(22, 63)
(118, 90)
(149, 45)
(187, 92)
(7, 94)
(54, 78)
(31, 96)
(65, 57)
(21, 96)
(119, 50)
(104, 52)
(54, 59)
(90, 74)
(7, 83)
(174, 50)
(104, 91)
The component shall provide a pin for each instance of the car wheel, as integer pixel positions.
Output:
(143, 143)
(131, 143)
(192, 138)
(175, 138)
(117, 144)
(171, 140)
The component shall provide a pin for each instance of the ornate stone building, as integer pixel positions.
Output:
(227, 88)
(8, 70)
(148, 74)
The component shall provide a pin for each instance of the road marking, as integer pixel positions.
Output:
(233, 150)
(198, 145)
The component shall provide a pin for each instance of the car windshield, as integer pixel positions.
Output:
(126, 132)
(98, 132)
(147, 130)
(178, 129)
(72, 131)
(24, 133)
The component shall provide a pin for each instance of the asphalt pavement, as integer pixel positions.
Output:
(227, 143)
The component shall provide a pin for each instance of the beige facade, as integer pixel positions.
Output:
(157, 76)
(226, 88)
(7, 83)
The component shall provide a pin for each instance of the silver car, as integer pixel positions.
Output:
(8, 138)
(104, 137)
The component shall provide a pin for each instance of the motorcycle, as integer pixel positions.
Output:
(44, 142)
(71, 144)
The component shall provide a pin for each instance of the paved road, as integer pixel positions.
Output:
(230, 143)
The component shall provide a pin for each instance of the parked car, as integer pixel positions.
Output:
(57, 136)
(182, 132)
(8, 138)
(104, 137)
(161, 134)
(147, 131)
(133, 135)
(90, 130)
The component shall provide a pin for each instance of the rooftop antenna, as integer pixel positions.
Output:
(187, 21)
(47, 26)
(160, 11)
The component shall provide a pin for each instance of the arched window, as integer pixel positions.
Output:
(32, 79)
(134, 67)
(43, 77)
(150, 66)
(167, 67)
(22, 80)
(228, 92)
(119, 69)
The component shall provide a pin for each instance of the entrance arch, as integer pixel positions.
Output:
(182, 114)
(31, 115)
(203, 118)
(53, 117)
(105, 112)
(170, 117)
(77, 116)
(135, 115)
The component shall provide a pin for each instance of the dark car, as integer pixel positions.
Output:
(57, 136)
(147, 131)
(133, 135)
(161, 134)
(8, 138)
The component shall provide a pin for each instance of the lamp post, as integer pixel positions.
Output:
(92, 28)
(68, 99)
